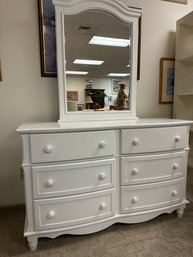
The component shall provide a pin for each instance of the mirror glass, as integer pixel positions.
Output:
(97, 72)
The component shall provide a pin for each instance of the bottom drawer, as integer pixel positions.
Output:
(73, 210)
(150, 196)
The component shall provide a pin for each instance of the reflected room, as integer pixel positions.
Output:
(98, 56)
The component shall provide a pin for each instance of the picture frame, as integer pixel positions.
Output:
(46, 15)
(166, 83)
(72, 95)
(177, 1)
(1, 78)
(80, 107)
(115, 86)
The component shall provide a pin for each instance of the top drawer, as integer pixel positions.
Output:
(70, 146)
(153, 139)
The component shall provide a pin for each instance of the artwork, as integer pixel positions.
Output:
(177, 1)
(1, 79)
(115, 86)
(167, 73)
(47, 38)
(72, 95)
(80, 107)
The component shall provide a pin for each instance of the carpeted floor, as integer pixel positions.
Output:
(164, 236)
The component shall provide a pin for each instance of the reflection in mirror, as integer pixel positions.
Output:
(97, 72)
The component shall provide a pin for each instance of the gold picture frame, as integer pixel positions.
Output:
(1, 78)
(166, 84)
(177, 1)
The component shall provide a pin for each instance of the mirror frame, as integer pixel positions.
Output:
(122, 12)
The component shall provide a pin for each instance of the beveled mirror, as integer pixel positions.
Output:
(97, 44)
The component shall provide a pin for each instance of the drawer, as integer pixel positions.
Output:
(153, 139)
(152, 168)
(74, 210)
(151, 196)
(70, 146)
(76, 178)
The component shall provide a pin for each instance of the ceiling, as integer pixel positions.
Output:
(80, 28)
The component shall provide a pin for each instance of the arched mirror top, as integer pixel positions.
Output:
(97, 80)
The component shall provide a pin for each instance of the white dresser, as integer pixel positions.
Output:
(83, 177)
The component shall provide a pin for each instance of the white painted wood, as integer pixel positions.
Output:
(151, 140)
(70, 146)
(153, 168)
(73, 210)
(119, 10)
(79, 196)
(150, 196)
(68, 179)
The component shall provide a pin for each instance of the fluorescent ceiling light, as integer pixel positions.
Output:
(77, 72)
(108, 41)
(90, 62)
(118, 74)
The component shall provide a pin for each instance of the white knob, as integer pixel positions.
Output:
(48, 148)
(177, 139)
(102, 206)
(134, 171)
(134, 199)
(102, 145)
(135, 141)
(51, 215)
(102, 176)
(174, 193)
(175, 166)
(50, 183)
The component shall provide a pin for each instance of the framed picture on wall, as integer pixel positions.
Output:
(177, 1)
(47, 38)
(1, 79)
(115, 86)
(167, 72)
(72, 95)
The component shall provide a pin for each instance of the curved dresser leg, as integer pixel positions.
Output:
(33, 243)
(180, 212)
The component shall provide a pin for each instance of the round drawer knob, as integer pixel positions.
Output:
(51, 215)
(50, 183)
(102, 206)
(134, 171)
(48, 148)
(177, 139)
(102, 145)
(174, 193)
(102, 176)
(175, 166)
(135, 141)
(134, 199)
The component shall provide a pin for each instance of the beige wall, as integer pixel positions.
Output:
(26, 97)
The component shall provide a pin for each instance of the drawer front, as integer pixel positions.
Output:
(153, 139)
(70, 146)
(74, 210)
(151, 196)
(76, 178)
(153, 168)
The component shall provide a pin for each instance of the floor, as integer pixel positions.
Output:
(164, 236)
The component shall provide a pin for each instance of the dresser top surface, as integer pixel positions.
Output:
(49, 127)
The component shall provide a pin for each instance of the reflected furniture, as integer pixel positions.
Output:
(97, 97)
(90, 170)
